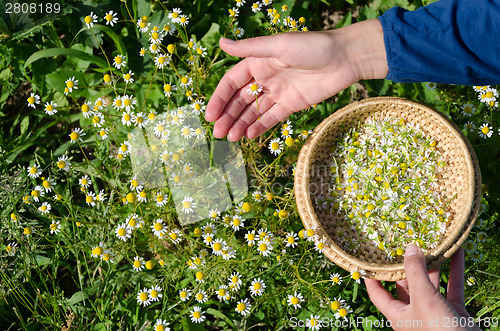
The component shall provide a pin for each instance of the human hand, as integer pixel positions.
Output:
(296, 70)
(419, 302)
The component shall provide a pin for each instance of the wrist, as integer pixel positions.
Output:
(365, 49)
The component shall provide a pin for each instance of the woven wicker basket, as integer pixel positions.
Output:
(462, 178)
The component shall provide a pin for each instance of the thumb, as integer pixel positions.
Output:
(256, 47)
(419, 284)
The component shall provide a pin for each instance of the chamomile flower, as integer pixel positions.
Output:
(37, 192)
(161, 61)
(159, 228)
(198, 107)
(336, 279)
(313, 322)
(175, 235)
(168, 88)
(237, 222)
(188, 205)
(119, 61)
(357, 274)
(186, 82)
(90, 198)
(218, 245)
(71, 84)
(201, 296)
(233, 12)
(184, 294)
(256, 6)
(90, 19)
(265, 246)
(223, 293)
(11, 248)
(240, 3)
(235, 281)
(295, 299)
(468, 110)
(45, 208)
(138, 264)
(336, 303)
(471, 280)
(55, 227)
(304, 134)
(197, 315)
(34, 171)
(50, 108)
(343, 312)
(485, 130)
(238, 31)
(470, 126)
(143, 298)
(155, 293)
(129, 102)
(254, 89)
(133, 221)
(128, 77)
(33, 100)
(291, 239)
(257, 287)
(319, 245)
(161, 325)
(122, 231)
(214, 214)
(76, 135)
(110, 18)
(175, 15)
(276, 146)
(250, 237)
(243, 307)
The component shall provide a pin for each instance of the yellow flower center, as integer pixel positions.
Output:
(158, 226)
(144, 296)
(263, 247)
(174, 236)
(70, 84)
(343, 312)
(294, 301)
(88, 19)
(335, 305)
(97, 251)
(122, 232)
(485, 130)
(217, 246)
(74, 135)
(356, 275)
(118, 59)
(241, 306)
(196, 314)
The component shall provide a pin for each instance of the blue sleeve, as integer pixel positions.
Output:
(449, 41)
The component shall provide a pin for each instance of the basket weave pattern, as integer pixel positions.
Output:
(460, 182)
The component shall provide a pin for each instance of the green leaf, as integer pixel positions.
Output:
(355, 291)
(51, 52)
(77, 297)
(42, 260)
(220, 315)
(24, 125)
(120, 45)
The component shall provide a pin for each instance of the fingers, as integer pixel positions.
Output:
(273, 116)
(456, 282)
(256, 47)
(383, 300)
(402, 291)
(249, 116)
(229, 87)
(419, 284)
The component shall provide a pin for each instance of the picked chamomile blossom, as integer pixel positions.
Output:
(384, 188)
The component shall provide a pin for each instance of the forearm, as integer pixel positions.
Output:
(449, 41)
(365, 50)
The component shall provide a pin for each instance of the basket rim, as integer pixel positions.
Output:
(389, 271)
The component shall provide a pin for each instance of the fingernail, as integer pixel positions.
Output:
(227, 41)
(411, 250)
